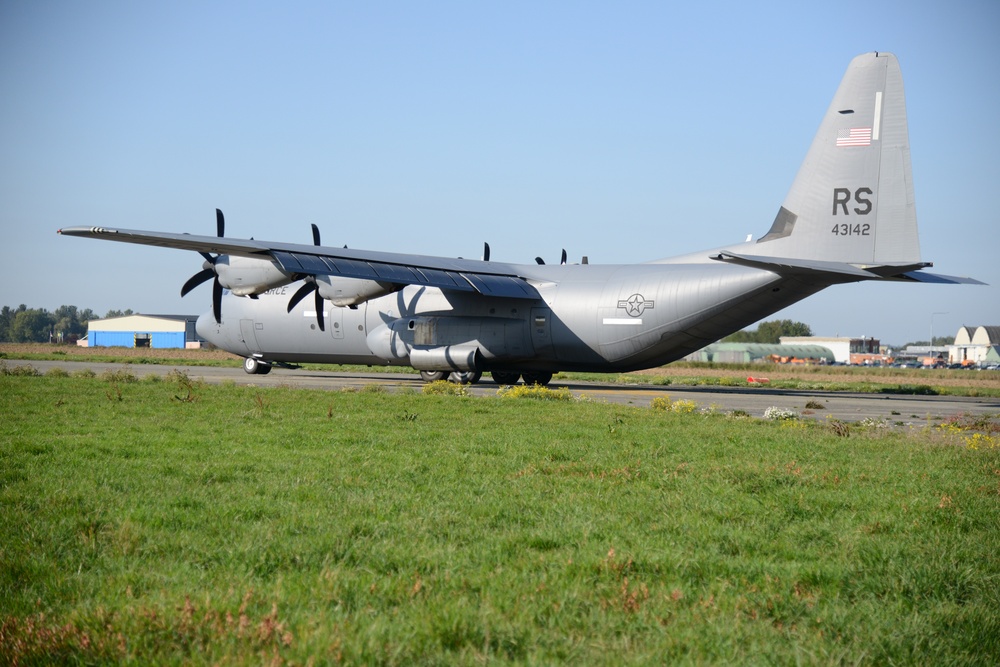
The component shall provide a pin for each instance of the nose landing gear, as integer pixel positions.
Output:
(255, 366)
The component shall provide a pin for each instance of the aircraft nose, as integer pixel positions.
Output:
(209, 329)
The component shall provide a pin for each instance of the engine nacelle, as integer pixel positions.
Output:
(391, 341)
(462, 358)
(343, 292)
(245, 275)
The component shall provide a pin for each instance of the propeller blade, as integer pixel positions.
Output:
(539, 260)
(319, 311)
(217, 300)
(563, 259)
(486, 252)
(315, 235)
(300, 294)
(220, 224)
(197, 279)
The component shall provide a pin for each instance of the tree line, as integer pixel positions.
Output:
(38, 325)
(769, 332)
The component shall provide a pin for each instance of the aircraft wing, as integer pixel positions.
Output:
(488, 278)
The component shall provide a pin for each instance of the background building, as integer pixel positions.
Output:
(160, 331)
(978, 346)
(745, 353)
(859, 351)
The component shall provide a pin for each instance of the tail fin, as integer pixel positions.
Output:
(852, 200)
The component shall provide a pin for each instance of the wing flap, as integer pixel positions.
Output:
(502, 286)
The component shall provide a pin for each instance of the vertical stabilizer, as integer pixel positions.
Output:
(852, 200)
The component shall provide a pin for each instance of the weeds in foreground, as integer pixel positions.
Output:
(25, 370)
(186, 629)
(185, 384)
(982, 441)
(120, 376)
(445, 388)
(774, 413)
(535, 391)
(839, 428)
(664, 404)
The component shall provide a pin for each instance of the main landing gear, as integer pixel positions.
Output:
(541, 378)
(458, 377)
(510, 378)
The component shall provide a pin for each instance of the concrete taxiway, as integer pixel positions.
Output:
(904, 409)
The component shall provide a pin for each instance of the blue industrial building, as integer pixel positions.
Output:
(155, 331)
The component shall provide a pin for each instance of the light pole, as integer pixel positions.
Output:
(931, 342)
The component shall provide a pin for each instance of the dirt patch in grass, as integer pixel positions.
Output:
(14, 349)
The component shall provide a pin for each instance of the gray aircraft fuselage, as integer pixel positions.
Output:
(599, 318)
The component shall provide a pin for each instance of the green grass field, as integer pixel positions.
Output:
(171, 522)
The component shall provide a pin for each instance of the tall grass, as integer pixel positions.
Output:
(177, 522)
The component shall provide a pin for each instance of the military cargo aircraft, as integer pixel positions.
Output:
(849, 216)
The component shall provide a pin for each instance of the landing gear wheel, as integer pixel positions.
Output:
(466, 377)
(540, 378)
(501, 377)
(256, 367)
(433, 376)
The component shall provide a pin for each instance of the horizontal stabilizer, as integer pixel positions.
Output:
(835, 271)
(923, 277)
(840, 272)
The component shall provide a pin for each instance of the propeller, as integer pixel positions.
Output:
(310, 285)
(562, 258)
(208, 271)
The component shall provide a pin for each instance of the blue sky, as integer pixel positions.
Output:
(626, 132)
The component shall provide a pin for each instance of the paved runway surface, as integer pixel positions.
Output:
(915, 410)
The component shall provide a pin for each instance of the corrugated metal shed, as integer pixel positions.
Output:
(158, 331)
(744, 353)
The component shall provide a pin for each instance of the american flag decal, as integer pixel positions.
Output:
(855, 136)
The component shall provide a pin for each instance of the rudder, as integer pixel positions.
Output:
(852, 199)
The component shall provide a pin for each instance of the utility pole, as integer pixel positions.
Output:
(931, 342)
